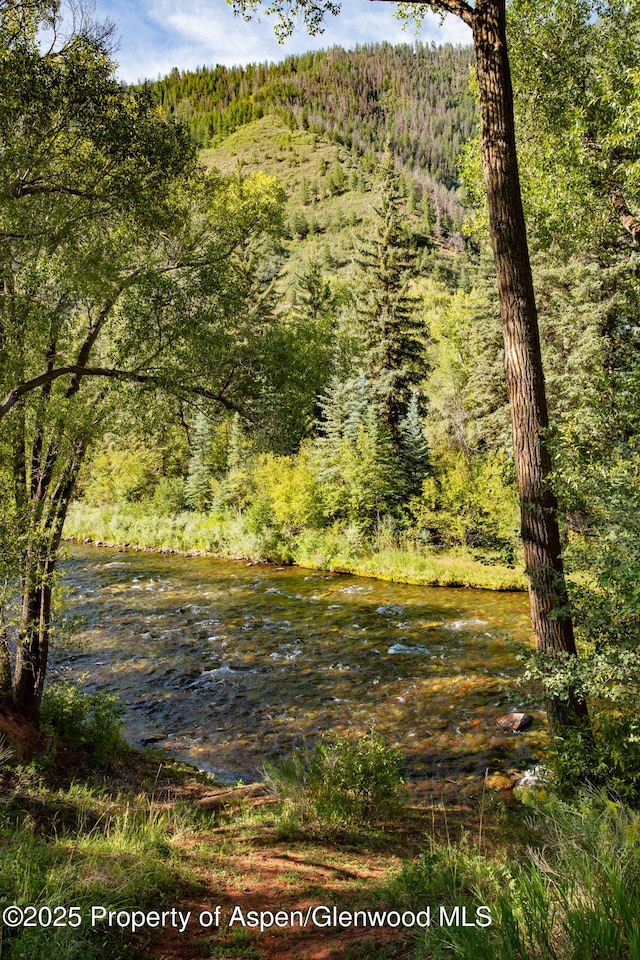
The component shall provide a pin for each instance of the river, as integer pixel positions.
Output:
(227, 664)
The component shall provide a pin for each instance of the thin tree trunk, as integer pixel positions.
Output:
(550, 612)
(5, 657)
(36, 588)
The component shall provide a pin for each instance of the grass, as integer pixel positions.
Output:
(120, 860)
(432, 569)
(574, 894)
(561, 880)
(319, 550)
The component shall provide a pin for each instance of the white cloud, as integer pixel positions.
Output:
(189, 33)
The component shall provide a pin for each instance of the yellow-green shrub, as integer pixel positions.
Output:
(473, 502)
(287, 491)
(123, 474)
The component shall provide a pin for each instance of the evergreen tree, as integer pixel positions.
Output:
(299, 225)
(198, 483)
(393, 342)
(357, 463)
(236, 488)
(414, 450)
(336, 179)
(314, 298)
(344, 409)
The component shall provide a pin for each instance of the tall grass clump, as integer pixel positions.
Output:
(342, 784)
(123, 862)
(575, 895)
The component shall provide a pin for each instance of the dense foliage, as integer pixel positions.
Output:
(154, 361)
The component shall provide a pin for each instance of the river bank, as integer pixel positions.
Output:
(146, 859)
(146, 835)
(381, 557)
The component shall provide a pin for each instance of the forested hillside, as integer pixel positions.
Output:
(415, 99)
(321, 123)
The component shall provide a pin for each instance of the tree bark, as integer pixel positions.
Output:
(37, 586)
(550, 612)
(5, 657)
(33, 641)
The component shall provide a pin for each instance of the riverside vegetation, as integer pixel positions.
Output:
(288, 348)
(334, 826)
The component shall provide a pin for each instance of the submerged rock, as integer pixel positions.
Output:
(153, 738)
(499, 781)
(515, 722)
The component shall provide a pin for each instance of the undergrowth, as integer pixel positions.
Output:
(574, 895)
(88, 725)
(342, 550)
(119, 860)
(567, 889)
(341, 784)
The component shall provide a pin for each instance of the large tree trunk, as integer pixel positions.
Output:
(33, 640)
(550, 611)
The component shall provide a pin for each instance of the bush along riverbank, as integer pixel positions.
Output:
(146, 858)
(382, 553)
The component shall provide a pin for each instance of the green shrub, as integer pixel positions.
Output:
(169, 496)
(290, 488)
(346, 783)
(473, 503)
(88, 723)
(123, 475)
(608, 757)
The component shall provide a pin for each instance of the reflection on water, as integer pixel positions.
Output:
(235, 663)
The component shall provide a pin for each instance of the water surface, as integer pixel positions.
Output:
(233, 664)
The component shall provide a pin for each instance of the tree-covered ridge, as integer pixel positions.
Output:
(415, 98)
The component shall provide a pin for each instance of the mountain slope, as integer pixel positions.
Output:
(416, 99)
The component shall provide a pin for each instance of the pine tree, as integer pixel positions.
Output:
(314, 298)
(357, 463)
(392, 337)
(299, 225)
(236, 487)
(198, 483)
(414, 450)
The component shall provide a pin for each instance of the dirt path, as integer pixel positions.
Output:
(247, 867)
(262, 879)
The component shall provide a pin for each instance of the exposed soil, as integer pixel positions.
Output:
(18, 736)
(249, 865)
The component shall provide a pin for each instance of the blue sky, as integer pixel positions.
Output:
(156, 35)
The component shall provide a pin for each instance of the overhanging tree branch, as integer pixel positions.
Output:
(456, 7)
(130, 376)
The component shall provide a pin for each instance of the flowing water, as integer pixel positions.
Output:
(227, 664)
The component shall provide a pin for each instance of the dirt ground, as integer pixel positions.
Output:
(245, 864)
